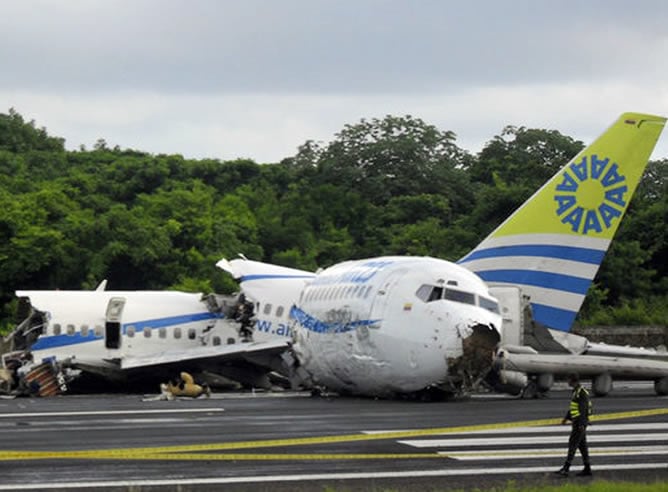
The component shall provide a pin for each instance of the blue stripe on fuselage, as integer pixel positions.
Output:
(53, 341)
(249, 278)
(583, 255)
(313, 324)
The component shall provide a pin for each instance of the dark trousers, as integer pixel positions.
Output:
(578, 440)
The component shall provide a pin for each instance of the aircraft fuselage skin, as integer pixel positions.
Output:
(395, 325)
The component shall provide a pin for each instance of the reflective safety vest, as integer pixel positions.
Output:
(576, 398)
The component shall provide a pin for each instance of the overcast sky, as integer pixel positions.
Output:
(252, 78)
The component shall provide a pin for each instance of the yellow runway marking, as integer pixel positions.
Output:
(194, 451)
(99, 455)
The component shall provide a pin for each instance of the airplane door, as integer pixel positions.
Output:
(112, 324)
(380, 305)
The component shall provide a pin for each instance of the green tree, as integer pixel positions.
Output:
(394, 156)
(18, 136)
(524, 156)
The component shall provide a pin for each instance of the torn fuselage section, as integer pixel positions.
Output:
(84, 335)
(478, 347)
(20, 374)
(33, 324)
(420, 325)
(429, 360)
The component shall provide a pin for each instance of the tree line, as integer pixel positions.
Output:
(390, 186)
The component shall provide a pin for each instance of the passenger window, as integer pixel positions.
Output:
(459, 296)
(56, 329)
(267, 309)
(130, 331)
(147, 332)
(216, 341)
(192, 333)
(177, 332)
(279, 311)
(84, 330)
(368, 291)
(70, 329)
(162, 332)
(98, 330)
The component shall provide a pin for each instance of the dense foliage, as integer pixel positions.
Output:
(69, 219)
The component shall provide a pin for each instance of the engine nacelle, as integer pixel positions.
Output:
(602, 384)
(661, 386)
(544, 382)
(512, 382)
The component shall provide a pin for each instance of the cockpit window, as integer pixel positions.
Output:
(489, 304)
(459, 296)
(436, 294)
(429, 293)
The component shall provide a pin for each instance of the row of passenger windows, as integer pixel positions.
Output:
(86, 331)
(430, 293)
(131, 331)
(280, 310)
(324, 293)
(162, 332)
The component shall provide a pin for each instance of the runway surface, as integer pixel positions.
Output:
(291, 441)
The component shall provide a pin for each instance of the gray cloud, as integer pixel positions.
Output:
(313, 46)
(257, 78)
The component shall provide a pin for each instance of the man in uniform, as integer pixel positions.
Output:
(578, 413)
(244, 315)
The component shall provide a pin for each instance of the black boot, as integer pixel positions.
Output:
(563, 471)
(586, 472)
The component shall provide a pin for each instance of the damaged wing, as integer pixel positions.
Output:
(253, 364)
(207, 356)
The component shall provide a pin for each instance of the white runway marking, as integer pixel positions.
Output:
(110, 412)
(552, 453)
(320, 476)
(505, 441)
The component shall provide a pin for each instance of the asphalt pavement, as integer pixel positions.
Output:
(292, 441)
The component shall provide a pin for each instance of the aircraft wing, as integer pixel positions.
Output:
(208, 355)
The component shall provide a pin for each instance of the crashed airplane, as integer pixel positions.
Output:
(390, 326)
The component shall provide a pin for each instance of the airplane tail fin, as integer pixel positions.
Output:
(553, 245)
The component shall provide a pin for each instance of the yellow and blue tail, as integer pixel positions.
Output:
(553, 245)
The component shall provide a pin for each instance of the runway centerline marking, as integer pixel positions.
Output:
(187, 452)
